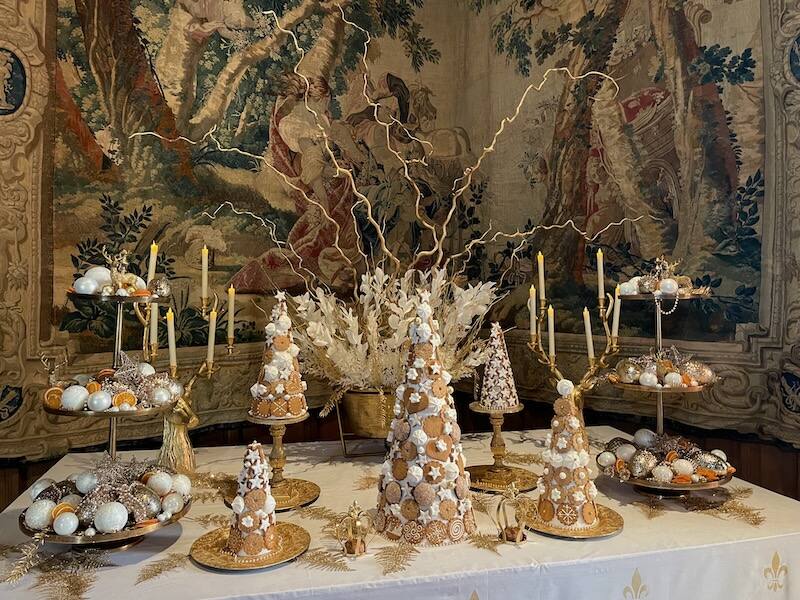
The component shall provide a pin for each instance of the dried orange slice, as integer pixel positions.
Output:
(92, 387)
(124, 397)
(141, 292)
(105, 374)
(682, 479)
(671, 456)
(145, 523)
(61, 508)
(52, 397)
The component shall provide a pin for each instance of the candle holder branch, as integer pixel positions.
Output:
(596, 364)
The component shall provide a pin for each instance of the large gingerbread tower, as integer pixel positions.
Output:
(424, 490)
(252, 533)
(280, 390)
(566, 492)
(498, 391)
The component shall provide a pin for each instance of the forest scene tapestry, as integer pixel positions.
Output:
(167, 109)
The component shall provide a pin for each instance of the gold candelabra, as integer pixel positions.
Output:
(596, 363)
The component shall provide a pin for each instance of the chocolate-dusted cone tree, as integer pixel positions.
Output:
(498, 391)
(424, 493)
(280, 390)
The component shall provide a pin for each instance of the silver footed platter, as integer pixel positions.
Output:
(119, 540)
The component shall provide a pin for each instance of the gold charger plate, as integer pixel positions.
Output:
(289, 494)
(209, 549)
(609, 522)
(656, 488)
(106, 414)
(100, 539)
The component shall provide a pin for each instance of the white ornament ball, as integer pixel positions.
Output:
(90, 531)
(74, 397)
(73, 477)
(86, 285)
(86, 482)
(65, 523)
(102, 275)
(40, 514)
(99, 401)
(644, 438)
(146, 369)
(565, 387)
(176, 388)
(668, 286)
(720, 453)
(662, 473)
(625, 451)
(673, 379)
(40, 485)
(160, 482)
(111, 517)
(161, 395)
(681, 466)
(606, 459)
(140, 283)
(172, 503)
(628, 288)
(648, 379)
(181, 484)
(125, 407)
(122, 292)
(72, 499)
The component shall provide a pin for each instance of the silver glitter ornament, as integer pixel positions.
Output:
(628, 371)
(615, 443)
(641, 463)
(700, 372)
(710, 461)
(150, 500)
(647, 284)
(160, 287)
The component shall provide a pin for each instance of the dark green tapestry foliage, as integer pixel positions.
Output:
(716, 64)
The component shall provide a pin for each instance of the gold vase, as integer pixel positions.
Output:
(369, 412)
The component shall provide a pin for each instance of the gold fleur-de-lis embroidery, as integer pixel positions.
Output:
(636, 590)
(775, 573)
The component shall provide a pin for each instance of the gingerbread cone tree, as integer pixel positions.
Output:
(279, 392)
(498, 391)
(566, 492)
(424, 490)
(252, 533)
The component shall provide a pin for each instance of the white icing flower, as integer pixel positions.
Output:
(561, 443)
(424, 311)
(283, 323)
(279, 388)
(441, 446)
(435, 472)
(414, 398)
(418, 437)
(555, 494)
(450, 471)
(411, 373)
(573, 423)
(548, 439)
(270, 373)
(270, 329)
(448, 428)
(436, 339)
(579, 497)
(556, 459)
(257, 390)
(583, 458)
(247, 521)
(435, 403)
(562, 475)
(419, 362)
(294, 350)
(423, 332)
(414, 474)
(435, 369)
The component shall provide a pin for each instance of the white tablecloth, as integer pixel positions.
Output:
(674, 555)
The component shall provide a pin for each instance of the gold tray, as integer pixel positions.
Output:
(488, 478)
(643, 389)
(209, 549)
(100, 539)
(118, 299)
(609, 522)
(663, 297)
(120, 414)
(300, 493)
(656, 488)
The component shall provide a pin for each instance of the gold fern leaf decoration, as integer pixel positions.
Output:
(321, 558)
(171, 562)
(396, 558)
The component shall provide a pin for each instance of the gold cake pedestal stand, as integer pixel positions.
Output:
(498, 476)
(289, 493)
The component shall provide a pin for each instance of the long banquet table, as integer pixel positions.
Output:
(664, 552)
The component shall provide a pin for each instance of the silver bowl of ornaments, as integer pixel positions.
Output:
(110, 507)
(663, 465)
